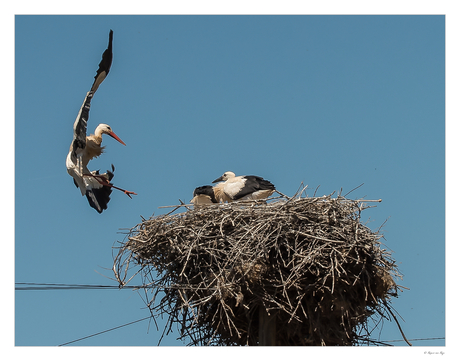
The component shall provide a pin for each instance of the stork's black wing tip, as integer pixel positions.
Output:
(98, 198)
(104, 65)
(110, 174)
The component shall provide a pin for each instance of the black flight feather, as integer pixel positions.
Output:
(253, 184)
(207, 191)
(104, 65)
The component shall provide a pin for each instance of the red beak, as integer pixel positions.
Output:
(113, 135)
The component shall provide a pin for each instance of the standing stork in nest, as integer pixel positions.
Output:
(95, 186)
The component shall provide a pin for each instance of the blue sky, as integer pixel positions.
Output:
(331, 101)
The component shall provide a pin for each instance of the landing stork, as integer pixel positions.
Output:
(95, 186)
(247, 187)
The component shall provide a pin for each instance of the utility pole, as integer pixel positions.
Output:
(267, 328)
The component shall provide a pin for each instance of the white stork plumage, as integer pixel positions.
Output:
(95, 186)
(245, 187)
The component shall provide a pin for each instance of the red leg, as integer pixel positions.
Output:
(103, 180)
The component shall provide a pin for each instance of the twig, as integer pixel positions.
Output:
(399, 326)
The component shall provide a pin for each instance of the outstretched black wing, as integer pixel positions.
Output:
(79, 131)
(104, 65)
(81, 122)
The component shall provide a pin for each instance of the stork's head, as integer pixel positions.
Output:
(225, 176)
(105, 129)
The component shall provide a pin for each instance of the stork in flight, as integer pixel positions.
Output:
(245, 187)
(95, 186)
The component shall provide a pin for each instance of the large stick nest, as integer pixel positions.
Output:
(309, 262)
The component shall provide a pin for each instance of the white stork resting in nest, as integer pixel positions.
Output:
(245, 187)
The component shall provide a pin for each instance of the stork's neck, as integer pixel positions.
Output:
(97, 136)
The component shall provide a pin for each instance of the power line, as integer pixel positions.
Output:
(99, 333)
(142, 319)
(418, 339)
(30, 286)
